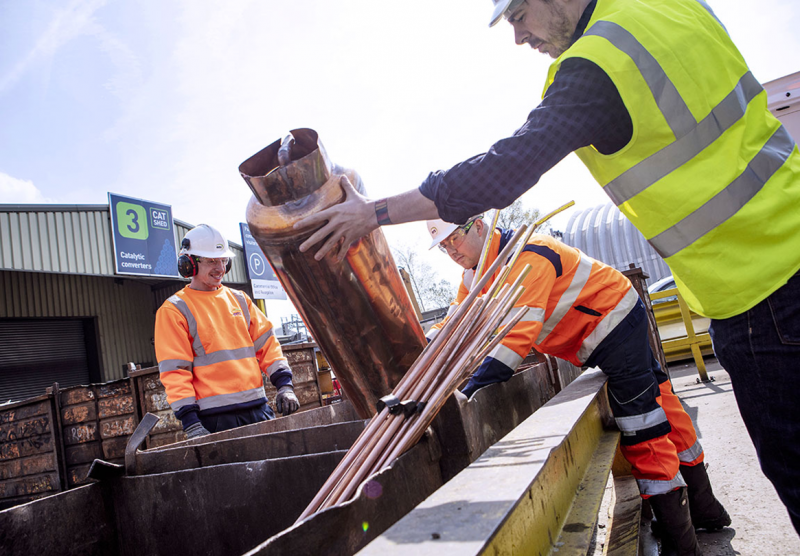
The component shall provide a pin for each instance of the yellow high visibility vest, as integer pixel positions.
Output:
(709, 177)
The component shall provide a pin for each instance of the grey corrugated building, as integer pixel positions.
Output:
(603, 232)
(65, 316)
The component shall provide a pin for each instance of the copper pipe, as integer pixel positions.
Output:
(487, 242)
(358, 311)
(434, 372)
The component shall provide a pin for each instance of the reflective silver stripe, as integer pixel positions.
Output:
(222, 400)
(568, 298)
(709, 10)
(730, 200)
(277, 366)
(641, 176)
(432, 333)
(176, 405)
(688, 456)
(651, 487)
(451, 310)
(168, 365)
(243, 304)
(532, 314)
(609, 323)
(262, 340)
(181, 305)
(641, 422)
(222, 355)
(669, 101)
(506, 356)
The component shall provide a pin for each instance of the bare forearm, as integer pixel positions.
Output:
(411, 206)
(346, 222)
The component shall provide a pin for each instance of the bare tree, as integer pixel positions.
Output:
(514, 215)
(431, 293)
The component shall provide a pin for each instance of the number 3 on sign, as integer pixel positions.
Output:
(132, 221)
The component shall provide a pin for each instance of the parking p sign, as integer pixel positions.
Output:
(262, 278)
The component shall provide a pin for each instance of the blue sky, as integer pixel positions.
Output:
(162, 100)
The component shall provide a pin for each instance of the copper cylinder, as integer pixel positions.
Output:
(358, 310)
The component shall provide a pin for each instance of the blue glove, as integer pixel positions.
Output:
(196, 430)
(286, 402)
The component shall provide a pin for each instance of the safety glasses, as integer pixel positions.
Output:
(214, 262)
(454, 240)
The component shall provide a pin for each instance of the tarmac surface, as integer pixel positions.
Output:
(760, 525)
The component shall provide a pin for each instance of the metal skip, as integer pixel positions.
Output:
(358, 310)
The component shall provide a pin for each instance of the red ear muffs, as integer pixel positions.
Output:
(187, 266)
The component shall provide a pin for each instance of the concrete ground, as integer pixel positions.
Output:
(761, 526)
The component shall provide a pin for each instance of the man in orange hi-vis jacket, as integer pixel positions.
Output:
(588, 313)
(212, 344)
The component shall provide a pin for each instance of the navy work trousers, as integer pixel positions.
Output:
(760, 350)
(238, 418)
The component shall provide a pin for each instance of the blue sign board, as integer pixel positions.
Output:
(262, 278)
(144, 237)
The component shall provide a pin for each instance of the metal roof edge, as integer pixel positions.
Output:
(52, 208)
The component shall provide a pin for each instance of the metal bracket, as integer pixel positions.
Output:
(392, 402)
(137, 438)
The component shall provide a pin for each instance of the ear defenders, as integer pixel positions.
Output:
(188, 265)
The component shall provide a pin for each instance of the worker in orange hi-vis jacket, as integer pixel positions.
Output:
(212, 343)
(588, 313)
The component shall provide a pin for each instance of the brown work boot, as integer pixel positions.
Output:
(707, 512)
(677, 533)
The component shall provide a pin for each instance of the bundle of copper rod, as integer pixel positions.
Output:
(456, 351)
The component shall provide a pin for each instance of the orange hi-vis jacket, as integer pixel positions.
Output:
(573, 302)
(211, 348)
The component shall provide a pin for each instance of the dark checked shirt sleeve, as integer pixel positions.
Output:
(582, 107)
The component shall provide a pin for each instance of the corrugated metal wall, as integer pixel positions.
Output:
(124, 311)
(605, 234)
(72, 239)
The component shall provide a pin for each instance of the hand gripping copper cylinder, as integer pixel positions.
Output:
(358, 310)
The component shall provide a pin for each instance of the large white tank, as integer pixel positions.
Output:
(603, 233)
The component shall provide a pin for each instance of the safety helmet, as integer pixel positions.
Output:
(202, 241)
(440, 230)
(501, 8)
(205, 241)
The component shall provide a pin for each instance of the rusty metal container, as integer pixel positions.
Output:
(358, 310)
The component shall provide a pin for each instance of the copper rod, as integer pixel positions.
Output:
(437, 401)
(486, 243)
(487, 328)
(376, 439)
(551, 214)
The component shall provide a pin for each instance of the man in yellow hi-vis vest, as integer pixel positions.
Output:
(660, 105)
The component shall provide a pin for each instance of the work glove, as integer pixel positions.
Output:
(196, 430)
(286, 402)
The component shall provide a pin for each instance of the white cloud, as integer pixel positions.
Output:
(16, 191)
(67, 23)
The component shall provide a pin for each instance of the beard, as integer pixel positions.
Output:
(561, 30)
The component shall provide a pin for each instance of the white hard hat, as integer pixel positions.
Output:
(500, 9)
(205, 241)
(439, 230)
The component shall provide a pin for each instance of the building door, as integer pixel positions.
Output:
(35, 353)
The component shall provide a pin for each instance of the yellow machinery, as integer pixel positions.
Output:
(683, 332)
